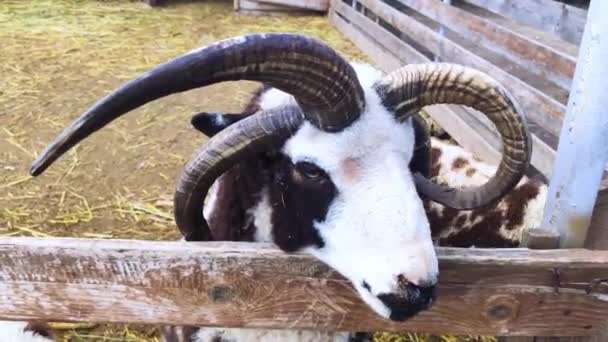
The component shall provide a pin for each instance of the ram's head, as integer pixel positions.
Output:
(346, 141)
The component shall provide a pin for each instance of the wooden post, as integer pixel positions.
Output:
(583, 145)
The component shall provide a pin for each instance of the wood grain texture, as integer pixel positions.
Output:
(314, 5)
(568, 22)
(255, 7)
(548, 339)
(504, 292)
(258, 6)
(383, 57)
(526, 50)
(548, 38)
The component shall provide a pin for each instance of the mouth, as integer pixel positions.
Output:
(400, 315)
(407, 305)
(399, 307)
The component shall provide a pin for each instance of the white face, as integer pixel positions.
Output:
(376, 232)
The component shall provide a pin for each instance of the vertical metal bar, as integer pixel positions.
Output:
(583, 145)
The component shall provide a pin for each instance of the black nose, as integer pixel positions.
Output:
(409, 301)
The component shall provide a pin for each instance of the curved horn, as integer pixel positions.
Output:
(253, 134)
(324, 85)
(407, 90)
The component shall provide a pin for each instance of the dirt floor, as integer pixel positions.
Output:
(58, 58)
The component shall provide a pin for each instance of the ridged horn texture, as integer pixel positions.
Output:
(324, 85)
(257, 133)
(407, 90)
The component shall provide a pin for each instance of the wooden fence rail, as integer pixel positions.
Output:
(486, 291)
(564, 20)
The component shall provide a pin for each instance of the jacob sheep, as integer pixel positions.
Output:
(236, 198)
(349, 162)
(497, 225)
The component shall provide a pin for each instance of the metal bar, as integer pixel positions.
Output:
(583, 146)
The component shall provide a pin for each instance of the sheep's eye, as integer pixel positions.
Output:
(310, 171)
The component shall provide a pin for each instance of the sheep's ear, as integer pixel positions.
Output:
(212, 123)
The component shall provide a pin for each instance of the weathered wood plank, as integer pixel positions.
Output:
(595, 338)
(547, 38)
(546, 339)
(504, 292)
(315, 5)
(528, 51)
(380, 38)
(381, 56)
(255, 7)
(258, 6)
(538, 106)
(568, 22)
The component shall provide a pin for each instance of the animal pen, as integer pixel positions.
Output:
(549, 55)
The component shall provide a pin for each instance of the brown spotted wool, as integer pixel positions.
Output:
(497, 225)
